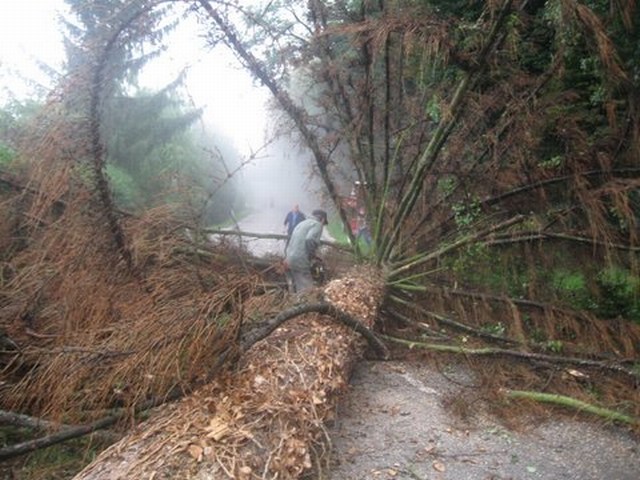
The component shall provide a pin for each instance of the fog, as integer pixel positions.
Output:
(278, 172)
(233, 104)
(282, 177)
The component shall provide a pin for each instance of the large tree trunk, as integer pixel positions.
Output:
(266, 418)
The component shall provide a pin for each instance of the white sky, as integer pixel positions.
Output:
(29, 34)
(233, 105)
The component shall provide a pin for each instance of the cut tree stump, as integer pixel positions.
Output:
(266, 418)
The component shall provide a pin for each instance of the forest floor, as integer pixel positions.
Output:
(406, 420)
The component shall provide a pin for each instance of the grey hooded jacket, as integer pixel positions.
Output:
(304, 242)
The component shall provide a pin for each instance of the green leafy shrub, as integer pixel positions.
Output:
(466, 213)
(571, 288)
(555, 346)
(497, 329)
(6, 156)
(619, 292)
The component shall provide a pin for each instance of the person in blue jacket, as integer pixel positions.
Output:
(302, 250)
(293, 218)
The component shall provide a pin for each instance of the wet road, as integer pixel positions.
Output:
(269, 220)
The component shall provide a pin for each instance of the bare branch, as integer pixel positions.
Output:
(527, 356)
(250, 338)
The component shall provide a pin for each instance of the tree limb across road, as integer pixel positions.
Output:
(269, 236)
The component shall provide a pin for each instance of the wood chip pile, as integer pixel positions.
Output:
(265, 419)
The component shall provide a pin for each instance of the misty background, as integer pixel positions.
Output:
(275, 174)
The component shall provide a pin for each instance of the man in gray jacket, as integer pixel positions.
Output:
(302, 248)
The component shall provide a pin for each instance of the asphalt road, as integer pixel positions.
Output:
(268, 220)
(392, 424)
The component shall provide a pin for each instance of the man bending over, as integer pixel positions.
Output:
(302, 249)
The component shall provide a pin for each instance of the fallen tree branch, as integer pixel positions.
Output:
(423, 327)
(247, 340)
(266, 236)
(71, 432)
(58, 437)
(241, 233)
(421, 259)
(560, 179)
(538, 236)
(487, 297)
(582, 362)
(470, 330)
(460, 326)
(573, 403)
(284, 387)
(500, 299)
(250, 338)
(20, 420)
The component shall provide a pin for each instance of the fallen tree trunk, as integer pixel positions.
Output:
(266, 418)
(247, 340)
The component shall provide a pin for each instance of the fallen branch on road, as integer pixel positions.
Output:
(248, 339)
(268, 236)
(573, 403)
(265, 418)
(581, 362)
